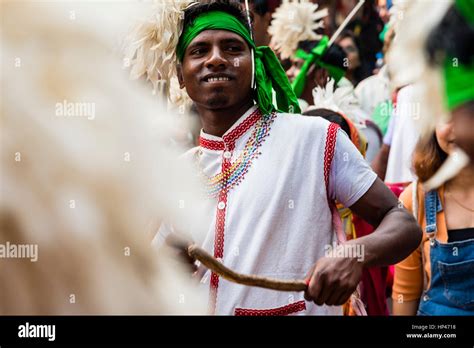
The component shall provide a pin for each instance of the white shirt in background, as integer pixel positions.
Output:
(402, 136)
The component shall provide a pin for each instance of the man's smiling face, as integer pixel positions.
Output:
(217, 70)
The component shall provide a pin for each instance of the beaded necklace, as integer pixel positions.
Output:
(234, 175)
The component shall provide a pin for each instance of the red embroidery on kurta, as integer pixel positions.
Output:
(219, 236)
(242, 128)
(285, 310)
(329, 151)
(230, 139)
(227, 144)
(215, 145)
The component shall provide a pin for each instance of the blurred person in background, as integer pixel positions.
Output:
(374, 92)
(393, 162)
(450, 48)
(331, 65)
(366, 27)
(383, 7)
(261, 13)
(355, 68)
(314, 63)
(438, 278)
(434, 53)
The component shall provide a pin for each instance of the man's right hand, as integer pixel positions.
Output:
(179, 245)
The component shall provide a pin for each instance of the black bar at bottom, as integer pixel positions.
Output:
(140, 330)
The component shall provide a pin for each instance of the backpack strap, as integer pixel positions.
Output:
(414, 200)
(415, 208)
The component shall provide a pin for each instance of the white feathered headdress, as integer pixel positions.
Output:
(295, 21)
(151, 49)
(341, 99)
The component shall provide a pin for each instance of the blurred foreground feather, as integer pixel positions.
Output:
(408, 64)
(86, 169)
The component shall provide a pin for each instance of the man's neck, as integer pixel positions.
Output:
(217, 122)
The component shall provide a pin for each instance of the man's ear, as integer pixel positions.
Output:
(179, 70)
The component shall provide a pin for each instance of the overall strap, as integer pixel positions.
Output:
(433, 206)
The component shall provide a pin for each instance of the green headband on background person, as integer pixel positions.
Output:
(458, 82)
(458, 77)
(269, 74)
(314, 57)
(466, 8)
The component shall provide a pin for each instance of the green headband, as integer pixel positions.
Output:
(459, 85)
(458, 78)
(466, 8)
(314, 57)
(269, 74)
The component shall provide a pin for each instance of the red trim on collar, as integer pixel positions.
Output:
(211, 144)
(228, 140)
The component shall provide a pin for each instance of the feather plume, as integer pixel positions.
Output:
(450, 168)
(295, 21)
(116, 165)
(407, 59)
(341, 99)
(408, 64)
(150, 48)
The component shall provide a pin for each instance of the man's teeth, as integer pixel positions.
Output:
(215, 79)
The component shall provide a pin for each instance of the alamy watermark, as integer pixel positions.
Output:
(75, 109)
(19, 251)
(355, 251)
(28, 330)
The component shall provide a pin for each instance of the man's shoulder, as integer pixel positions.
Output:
(301, 123)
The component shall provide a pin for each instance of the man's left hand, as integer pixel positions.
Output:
(333, 279)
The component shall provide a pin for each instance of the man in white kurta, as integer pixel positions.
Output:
(276, 222)
(272, 177)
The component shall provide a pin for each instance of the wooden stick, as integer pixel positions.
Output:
(251, 280)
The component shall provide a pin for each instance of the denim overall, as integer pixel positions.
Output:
(451, 290)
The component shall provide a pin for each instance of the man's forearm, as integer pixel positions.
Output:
(380, 162)
(393, 240)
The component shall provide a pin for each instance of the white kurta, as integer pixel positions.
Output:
(276, 222)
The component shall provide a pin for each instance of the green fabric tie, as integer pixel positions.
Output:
(314, 57)
(269, 74)
(459, 86)
(458, 77)
(466, 7)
